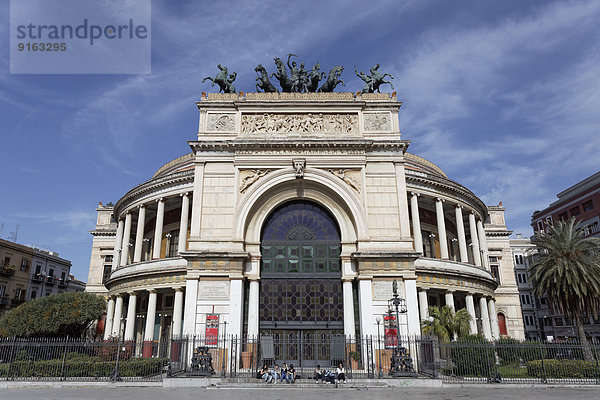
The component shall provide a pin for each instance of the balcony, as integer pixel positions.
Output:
(7, 270)
(63, 283)
(3, 301)
(37, 278)
(50, 280)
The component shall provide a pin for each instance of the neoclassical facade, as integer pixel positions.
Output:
(293, 215)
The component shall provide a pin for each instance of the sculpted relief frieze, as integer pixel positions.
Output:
(351, 177)
(300, 124)
(250, 176)
(220, 122)
(377, 122)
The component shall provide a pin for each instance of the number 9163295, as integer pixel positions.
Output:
(42, 46)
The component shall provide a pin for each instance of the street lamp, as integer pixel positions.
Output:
(401, 360)
(378, 319)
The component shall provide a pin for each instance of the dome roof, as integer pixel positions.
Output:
(416, 163)
(180, 164)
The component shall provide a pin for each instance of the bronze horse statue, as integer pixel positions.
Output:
(263, 82)
(284, 81)
(314, 77)
(374, 80)
(333, 79)
(223, 79)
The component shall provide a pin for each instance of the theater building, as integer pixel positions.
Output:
(292, 216)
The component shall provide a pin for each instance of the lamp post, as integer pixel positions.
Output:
(378, 319)
(401, 360)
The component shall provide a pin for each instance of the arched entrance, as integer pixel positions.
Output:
(301, 302)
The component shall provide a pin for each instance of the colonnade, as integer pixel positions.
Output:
(487, 312)
(477, 241)
(123, 245)
(114, 314)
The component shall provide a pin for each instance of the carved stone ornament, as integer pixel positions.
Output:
(299, 166)
(249, 177)
(301, 124)
(346, 176)
(377, 122)
(220, 122)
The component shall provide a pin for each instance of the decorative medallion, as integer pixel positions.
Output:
(377, 122)
(220, 122)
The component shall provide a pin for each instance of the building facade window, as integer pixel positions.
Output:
(575, 211)
(33, 294)
(588, 206)
(563, 216)
(24, 265)
(495, 273)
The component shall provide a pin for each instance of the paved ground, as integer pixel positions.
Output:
(324, 393)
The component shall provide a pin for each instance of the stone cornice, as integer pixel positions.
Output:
(231, 146)
(449, 187)
(153, 185)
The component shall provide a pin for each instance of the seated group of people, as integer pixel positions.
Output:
(330, 376)
(272, 375)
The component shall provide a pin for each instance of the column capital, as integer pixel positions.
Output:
(458, 205)
(415, 194)
(160, 199)
(132, 292)
(184, 194)
(440, 199)
(151, 290)
(450, 291)
(178, 289)
(422, 289)
(142, 206)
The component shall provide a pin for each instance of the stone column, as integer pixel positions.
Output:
(483, 244)
(494, 319)
(412, 306)
(236, 307)
(485, 318)
(449, 297)
(349, 327)
(197, 198)
(365, 305)
(177, 312)
(462, 241)
(441, 225)
(191, 300)
(183, 223)
(423, 304)
(108, 323)
(253, 311)
(471, 310)
(402, 200)
(474, 239)
(130, 323)
(126, 238)
(158, 228)
(139, 235)
(118, 246)
(116, 326)
(150, 316)
(416, 222)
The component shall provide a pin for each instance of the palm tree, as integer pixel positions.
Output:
(567, 270)
(445, 323)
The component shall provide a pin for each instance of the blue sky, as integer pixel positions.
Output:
(502, 95)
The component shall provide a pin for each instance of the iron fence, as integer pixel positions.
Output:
(510, 361)
(465, 361)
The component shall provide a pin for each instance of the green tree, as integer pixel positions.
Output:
(567, 270)
(445, 323)
(59, 315)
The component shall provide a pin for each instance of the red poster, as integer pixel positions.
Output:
(212, 329)
(390, 335)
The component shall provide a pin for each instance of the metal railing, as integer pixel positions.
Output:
(473, 360)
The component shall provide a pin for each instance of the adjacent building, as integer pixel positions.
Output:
(27, 273)
(581, 201)
(292, 217)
